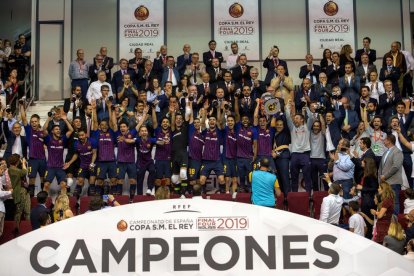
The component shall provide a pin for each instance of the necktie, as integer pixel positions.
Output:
(213, 54)
(103, 104)
(346, 117)
(243, 69)
(386, 155)
(170, 75)
(401, 120)
(88, 126)
(205, 86)
(217, 71)
(123, 72)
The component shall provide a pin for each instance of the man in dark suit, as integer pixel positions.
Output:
(212, 53)
(38, 210)
(257, 86)
(160, 62)
(215, 72)
(74, 104)
(365, 146)
(362, 102)
(108, 63)
(335, 70)
(350, 84)
(145, 76)
(388, 100)
(310, 70)
(241, 72)
(305, 93)
(137, 62)
(271, 63)
(333, 127)
(229, 86)
(364, 69)
(351, 120)
(390, 72)
(117, 81)
(170, 73)
(184, 59)
(372, 54)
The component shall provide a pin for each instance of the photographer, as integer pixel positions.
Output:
(362, 102)
(343, 169)
(73, 106)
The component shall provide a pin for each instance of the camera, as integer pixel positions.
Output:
(363, 105)
(105, 198)
(22, 100)
(214, 103)
(227, 106)
(336, 97)
(74, 97)
(111, 98)
(114, 107)
(8, 109)
(185, 94)
(343, 149)
(320, 109)
(237, 94)
(51, 113)
(191, 97)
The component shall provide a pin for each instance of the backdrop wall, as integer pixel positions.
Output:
(90, 24)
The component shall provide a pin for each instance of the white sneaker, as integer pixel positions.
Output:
(182, 197)
(148, 192)
(234, 195)
(153, 191)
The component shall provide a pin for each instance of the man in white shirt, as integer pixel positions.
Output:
(357, 224)
(332, 205)
(232, 59)
(408, 75)
(94, 90)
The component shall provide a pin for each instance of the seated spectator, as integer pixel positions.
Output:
(35, 214)
(356, 221)
(395, 239)
(409, 201)
(410, 250)
(332, 205)
(44, 219)
(62, 211)
(409, 231)
(98, 203)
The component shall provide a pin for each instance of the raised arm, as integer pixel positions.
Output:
(143, 118)
(236, 109)
(154, 118)
(220, 116)
(23, 114)
(46, 126)
(256, 113)
(68, 125)
(95, 123)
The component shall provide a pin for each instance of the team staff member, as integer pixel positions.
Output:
(105, 137)
(264, 185)
(37, 155)
(195, 148)
(55, 147)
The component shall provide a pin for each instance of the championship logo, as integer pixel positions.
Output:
(236, 10)
(141, 13)
(122, 225)
(330, 8)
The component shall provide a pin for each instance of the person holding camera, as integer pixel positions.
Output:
(18, 170)
(343, 169)
(73, 106)
(350, 119)
(61, 210)
(265, 186)
(195, 70)
(388, 101)
(271, 62)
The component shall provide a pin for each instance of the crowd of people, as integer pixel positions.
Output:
(170, 122)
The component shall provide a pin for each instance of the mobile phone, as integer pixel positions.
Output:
(105, 198)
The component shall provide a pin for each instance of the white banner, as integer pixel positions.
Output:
(141, 25)
(331, 25)
(237, 22)
(196, 237)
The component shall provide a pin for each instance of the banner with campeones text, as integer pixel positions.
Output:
(196, 237)
(141, 25)
(237, 21)
(331, 25)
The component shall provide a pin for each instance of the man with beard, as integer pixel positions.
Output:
(55, 147)
(37, 156)
(246, 146)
